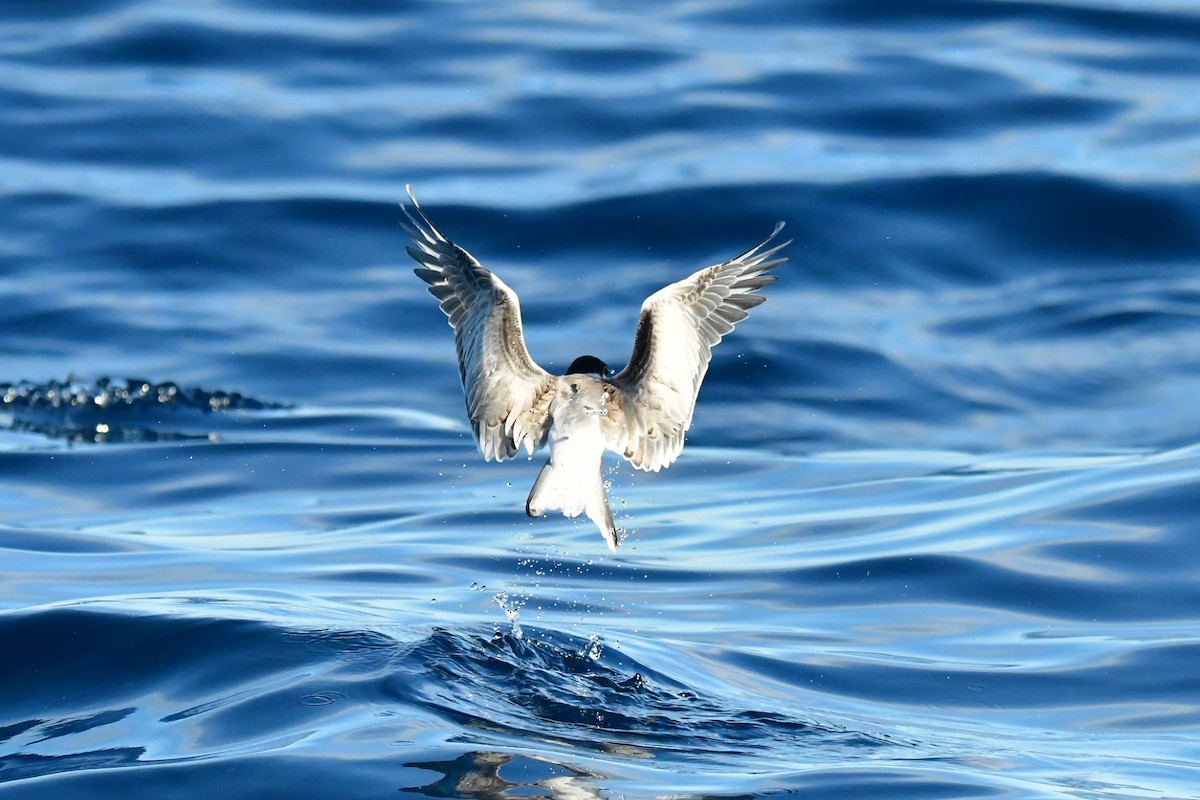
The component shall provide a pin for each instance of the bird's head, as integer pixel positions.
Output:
(589, 365)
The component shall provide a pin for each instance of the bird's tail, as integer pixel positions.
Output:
(555, 489)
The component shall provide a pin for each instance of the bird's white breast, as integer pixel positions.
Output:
(576, 436)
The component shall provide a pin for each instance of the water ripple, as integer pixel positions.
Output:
(933, 532)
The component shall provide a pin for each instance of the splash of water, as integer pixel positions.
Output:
(511, 606)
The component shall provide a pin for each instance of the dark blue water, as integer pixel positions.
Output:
(935, 531)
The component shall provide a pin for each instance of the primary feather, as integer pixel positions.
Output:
(679, 326)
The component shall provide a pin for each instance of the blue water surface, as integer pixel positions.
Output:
(934, 534)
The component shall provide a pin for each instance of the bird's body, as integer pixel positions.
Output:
(571, 480)
(641, 413)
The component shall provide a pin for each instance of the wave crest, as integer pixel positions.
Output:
(115, 410)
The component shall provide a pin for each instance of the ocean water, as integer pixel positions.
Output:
(934, 534)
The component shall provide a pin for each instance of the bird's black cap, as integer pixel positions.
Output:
(588, 365)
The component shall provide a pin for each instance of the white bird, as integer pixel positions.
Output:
(641, 413)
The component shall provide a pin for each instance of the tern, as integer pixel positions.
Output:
(641, 413)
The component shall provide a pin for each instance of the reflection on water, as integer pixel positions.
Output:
(502, 776)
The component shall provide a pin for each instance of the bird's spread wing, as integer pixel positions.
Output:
(508, 395)
(679, 325)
